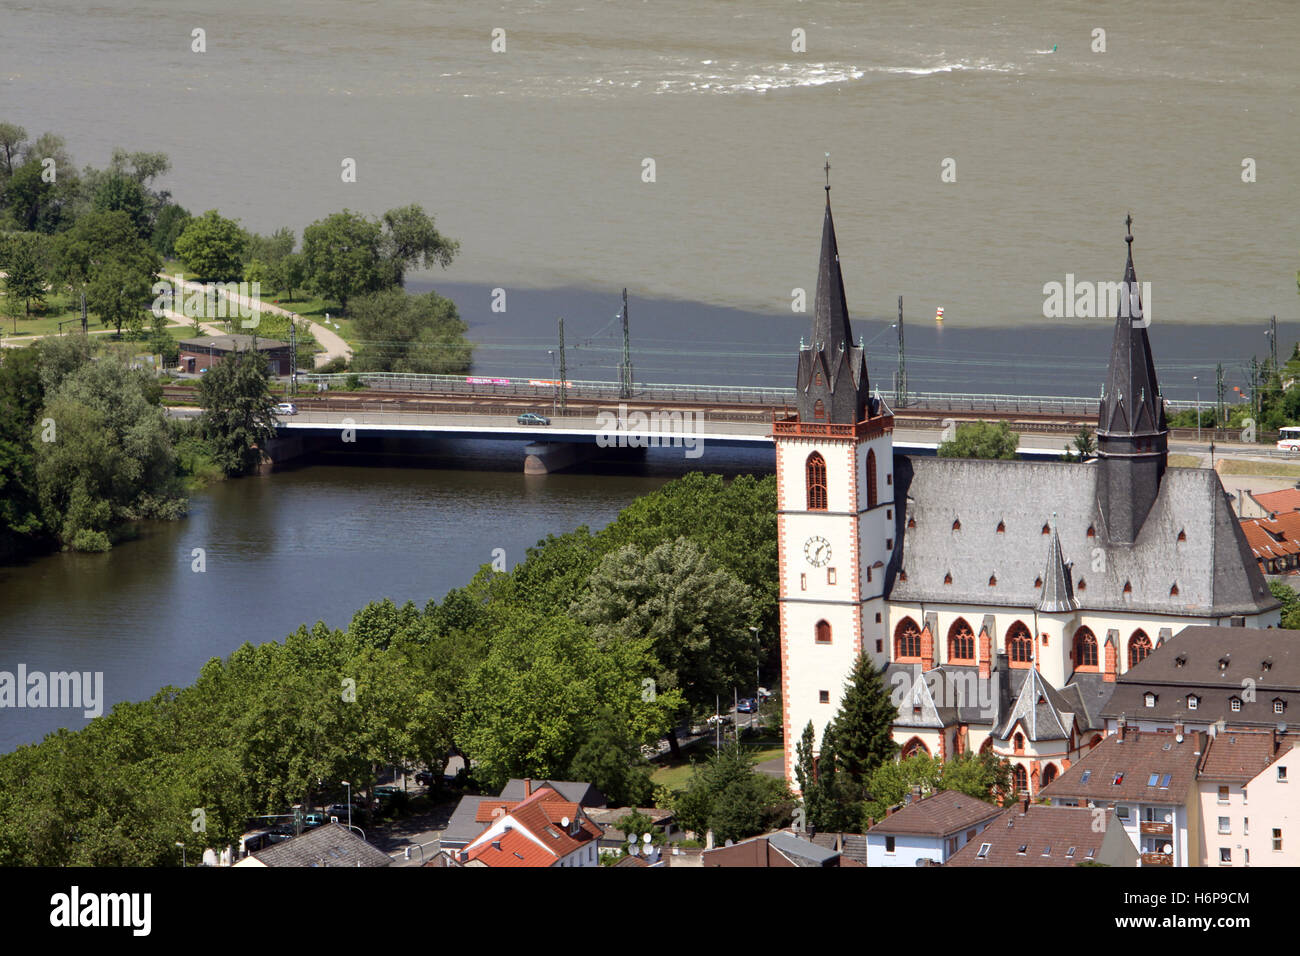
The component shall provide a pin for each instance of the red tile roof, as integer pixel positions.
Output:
(541, 815)
(940, 815)
(1047, 835)
(1288, 499)
(1238, 756)
(1122, 767)
(1273, 538)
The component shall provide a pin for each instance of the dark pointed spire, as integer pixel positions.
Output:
(832, 377)
(1132, 439)
(1058, 585)
(1131, 402)
(831, 309)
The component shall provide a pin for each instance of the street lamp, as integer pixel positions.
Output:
(1197, 380)
(758, 680)
(349, 786)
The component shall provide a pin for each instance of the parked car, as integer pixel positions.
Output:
(312, 820)
(532, 418)
(424, 778)
(286, 408)
(747, 705)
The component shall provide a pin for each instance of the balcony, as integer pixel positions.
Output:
(1157, 859)
(792, 427)
(1157, 829)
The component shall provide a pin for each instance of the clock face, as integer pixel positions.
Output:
(818, 551)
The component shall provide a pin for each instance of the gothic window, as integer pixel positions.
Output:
(907, 640)
(961, 641)
(871, 478)
(1020, 644)
(1085, 649)
(1019, 743)
(1139, 646)
(1020, 777)
(819, 410)
(913, 748)
(1049, 774)
(823, 632)
(816, 476)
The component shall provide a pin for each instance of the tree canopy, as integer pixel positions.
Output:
(981, 440)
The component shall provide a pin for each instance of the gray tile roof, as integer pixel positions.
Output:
(462, 827)
(575, 791)
(801, 852)
(328, 845)
(1058, 585)
(1040, 709)
(1213, 568)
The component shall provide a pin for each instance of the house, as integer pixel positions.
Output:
(1002, 599)
(1268, 504)
(613, 839)
(931, 829)
(1149, 781)
(1028, 834)
(1206, 677)
(205, 352)
(328, 845)
(1275, 541)
(466, 822)
(543, 829)
(1250, 811)
(778, 849)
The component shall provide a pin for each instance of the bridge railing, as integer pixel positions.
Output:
(538, 388)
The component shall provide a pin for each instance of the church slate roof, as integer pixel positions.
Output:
(1212, 567)
(1058, 586)
(1130, 402)
(1040, 710)
(1087, 695)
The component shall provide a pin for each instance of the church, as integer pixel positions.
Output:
(1000, 598)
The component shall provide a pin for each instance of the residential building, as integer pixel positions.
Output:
(1003, 598)
(205, 352)
(1250, 811)
(329, 845)
(1275, 541)
(543, 829)
(779, 849)
(1149, 781)
(1268, 504)
(928, 830)
(467, 821)
(1028, 834)
(1208, 677)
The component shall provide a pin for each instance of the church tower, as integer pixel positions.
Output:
(835, 512)
(1132, 439)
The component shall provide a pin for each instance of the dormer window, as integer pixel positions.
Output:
(947, 578)
(1266, 664)
(993, 580)
(911, 522)
(956, 525)
(1092, 532)
(902, 575)
(1173, 590)
(1083, 585)
(1182, 535)
(1002, 527)
(1279, 706)
(1047, 528)
(1193, 702)
(1234, 704)
(1149, 699)
(1128, 588)
(1223, 663)
(1038, 582)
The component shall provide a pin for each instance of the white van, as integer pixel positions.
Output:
(1288, 438)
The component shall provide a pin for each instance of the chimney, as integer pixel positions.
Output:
(528, 786)
(496, 844)
(1024, 807)
(1123, 728)
(986, 653)
(915, 796)
(1179, 729)
(927, 649)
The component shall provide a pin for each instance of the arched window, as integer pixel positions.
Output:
(1139, 646)
(1020, 644)
(871, 478)
(1018, 742)
(961, 641)
(987, 746)
(1049, 774)
(1020, 777)
(1096, 739)
(913, 748)
(907, 640)
(816, 475)
(819, 410)
(1085, 649)
(823, 632)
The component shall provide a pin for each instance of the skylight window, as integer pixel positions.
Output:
(1069, 853)
(1087, 775)
(1164, 781)
(1119, 778)
(1155, 778)
(984, 851)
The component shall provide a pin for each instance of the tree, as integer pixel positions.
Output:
(104, 257)
(399, 332)
(1084, 446)
(694, 612)
(20, 400)
(12, 138)
(1290, 604)
(109, 458)
(122, 193)
(981, 440)
(237, 420)
(890, 783)
(726, 795)
(171, 222)
(410, 240)
(117, 293)
(213, 247)
(862, 731)
(341, 254)
(25, 280)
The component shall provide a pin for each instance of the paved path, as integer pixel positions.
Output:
(331, 341)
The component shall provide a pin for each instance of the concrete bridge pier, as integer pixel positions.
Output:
(542, 457)
(285, 448)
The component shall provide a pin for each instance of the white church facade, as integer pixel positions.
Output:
(1001, 598)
